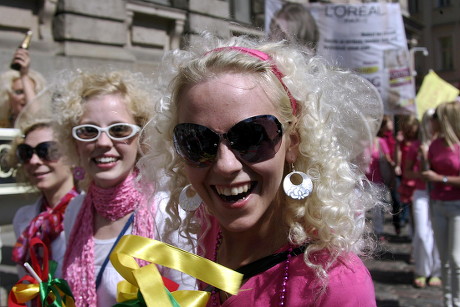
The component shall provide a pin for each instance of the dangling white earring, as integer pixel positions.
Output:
(189, 200)
(300, 191)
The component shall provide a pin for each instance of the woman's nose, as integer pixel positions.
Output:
(227, 161)
(35, 159)
(104, 139)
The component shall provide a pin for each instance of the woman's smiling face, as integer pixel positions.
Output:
(106, 161)
(239, 194)
(45, 175)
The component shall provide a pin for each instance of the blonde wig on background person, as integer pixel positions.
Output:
(338, 114)
(6, 82)
(72, 89)
(448, 115)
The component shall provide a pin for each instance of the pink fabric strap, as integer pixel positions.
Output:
(264, 57)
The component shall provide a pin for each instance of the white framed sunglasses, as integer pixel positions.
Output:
(117, 132)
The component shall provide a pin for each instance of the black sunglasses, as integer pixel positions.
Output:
(47, 151)
(254, 139)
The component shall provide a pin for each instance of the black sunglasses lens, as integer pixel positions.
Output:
(196, 144)
(256, 139)
(24, 152)
(48, 151)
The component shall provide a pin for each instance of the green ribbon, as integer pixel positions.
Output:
(55, 285)
(140, 302)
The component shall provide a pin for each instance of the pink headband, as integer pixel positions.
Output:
(264, 57)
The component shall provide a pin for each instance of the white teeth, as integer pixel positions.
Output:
(105, 160)
(233, 190)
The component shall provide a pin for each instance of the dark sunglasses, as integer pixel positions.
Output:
(47, 151)
(254, 139)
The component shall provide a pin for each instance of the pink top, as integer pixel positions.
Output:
(349, 284)
(391, 142)
(444, 161)
(413, 154)
(373, 173)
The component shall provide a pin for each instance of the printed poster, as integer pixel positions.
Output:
(368, 38)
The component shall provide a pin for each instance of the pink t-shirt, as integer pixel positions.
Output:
(373, 172)
(444, 161)
(391, 142)
(414, 156)
(349, 284)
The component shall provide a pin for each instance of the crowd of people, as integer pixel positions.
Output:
(424, 184)
(257, 155)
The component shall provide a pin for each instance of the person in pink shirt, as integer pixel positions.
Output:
(444, 177)
(263, 136)
(380, 171)
(427, 265)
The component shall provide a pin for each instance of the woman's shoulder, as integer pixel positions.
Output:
(75, 204)
(72, 211)
(350, 283)
(24, 215)
(437, 144)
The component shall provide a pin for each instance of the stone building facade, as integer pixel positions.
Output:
(440, 35)
(130, 34)
(121, 34)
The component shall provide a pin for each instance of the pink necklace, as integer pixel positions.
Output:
(215, 297)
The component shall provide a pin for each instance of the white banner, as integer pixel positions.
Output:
(368, 38)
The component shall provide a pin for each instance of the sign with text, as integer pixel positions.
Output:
(368, 38)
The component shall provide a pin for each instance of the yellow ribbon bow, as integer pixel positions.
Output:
(148, 279)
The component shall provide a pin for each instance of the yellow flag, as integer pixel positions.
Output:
(433, 92)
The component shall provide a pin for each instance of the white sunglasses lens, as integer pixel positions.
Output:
(121, 131)
(87, 132)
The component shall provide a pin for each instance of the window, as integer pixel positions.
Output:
(240, 10)
(441, 3)
(446, 60)
(413, 6)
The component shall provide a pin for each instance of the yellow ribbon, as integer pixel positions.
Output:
(27, 292)
(148, 279)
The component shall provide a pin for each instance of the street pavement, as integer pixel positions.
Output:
(392, 272)
(390, 268)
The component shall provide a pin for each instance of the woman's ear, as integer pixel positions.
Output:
(293, 147)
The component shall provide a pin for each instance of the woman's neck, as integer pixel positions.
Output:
(53, 196)
(240, 248)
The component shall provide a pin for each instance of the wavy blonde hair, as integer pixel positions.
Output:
(73, 89)
(448, 114)
(338, 115)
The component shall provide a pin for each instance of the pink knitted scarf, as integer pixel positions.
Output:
(113, 204)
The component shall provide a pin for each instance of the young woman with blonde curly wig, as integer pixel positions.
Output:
(240, 117)
(98, 119)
